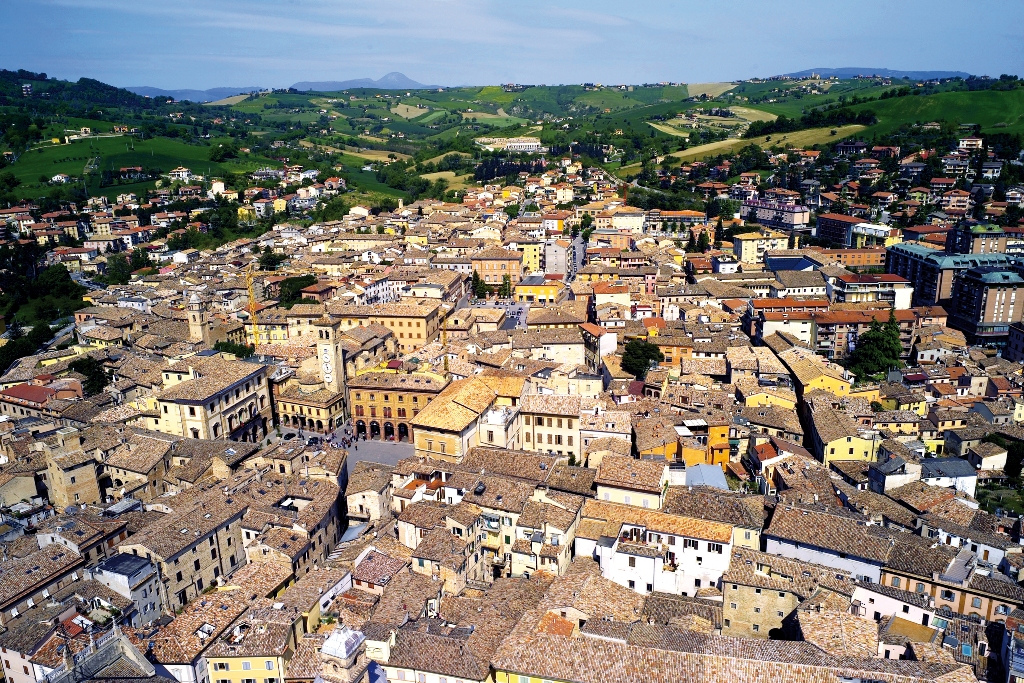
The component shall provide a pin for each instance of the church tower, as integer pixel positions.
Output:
(197, 331)
(329, 355)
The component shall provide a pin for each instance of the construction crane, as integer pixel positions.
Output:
(250, 276)
(444, 344)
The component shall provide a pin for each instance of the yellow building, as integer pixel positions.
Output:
(835, 436)
(750, 393)
(246, 213)
(750, 247)
(538, 289)
(414, 323)
(259, 647)
(280, 205)
(465, 415)
(383, 403)
(319, 411)
(532, 252)
(813, 372)
(904, 401)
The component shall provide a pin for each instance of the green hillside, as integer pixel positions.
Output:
(114, 153)
(994, 110)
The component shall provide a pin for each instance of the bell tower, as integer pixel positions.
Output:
(197, 330)
(329, 355)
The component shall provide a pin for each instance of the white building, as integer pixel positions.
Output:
(135, 578)
(654, 551)
(876, 601)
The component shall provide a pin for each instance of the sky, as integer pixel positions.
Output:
(275, 43)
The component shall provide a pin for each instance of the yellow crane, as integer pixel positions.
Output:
(250, 276)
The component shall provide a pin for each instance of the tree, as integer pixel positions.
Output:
(270, 261)
(505, 291)
(119, 271)
(15, 331)
(703, 242)
(878, 350)
(691, 244)
(638, 356)
(480, 288)
(291, 288)
(95, 377)
(240, 350)
(140, 259)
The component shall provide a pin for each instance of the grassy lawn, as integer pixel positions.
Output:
(454, 182)
(999, 497)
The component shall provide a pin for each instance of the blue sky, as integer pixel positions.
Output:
(208, 43)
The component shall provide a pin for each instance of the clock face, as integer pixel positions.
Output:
(328, 378)
(327, 368)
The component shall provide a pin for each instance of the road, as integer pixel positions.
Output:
(579, 254)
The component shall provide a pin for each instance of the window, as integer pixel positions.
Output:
(976, 602)
(269, 664)
(895, 582)
(780, 614)
(246, 666)
(715, 548)
(756, 628)
(948, 595)
(632, 584)
(632, 562)
(920, 588)
(221, 666)
(757, 610)
(732, 605)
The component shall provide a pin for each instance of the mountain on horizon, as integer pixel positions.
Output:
(391, 81)
(211, 95)
(851, 71)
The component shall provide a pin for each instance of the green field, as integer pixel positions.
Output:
(115, 153)
(428, 117)
(993, 110)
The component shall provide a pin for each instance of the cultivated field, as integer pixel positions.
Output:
(753, 114)
(668, 129)
(407, 111)
(368, 154)
(228, 101)
(709, 89)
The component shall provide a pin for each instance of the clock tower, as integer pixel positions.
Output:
(329, 354)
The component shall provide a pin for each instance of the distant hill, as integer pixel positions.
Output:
(211, 95)
(851, 71)
(391, 81)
